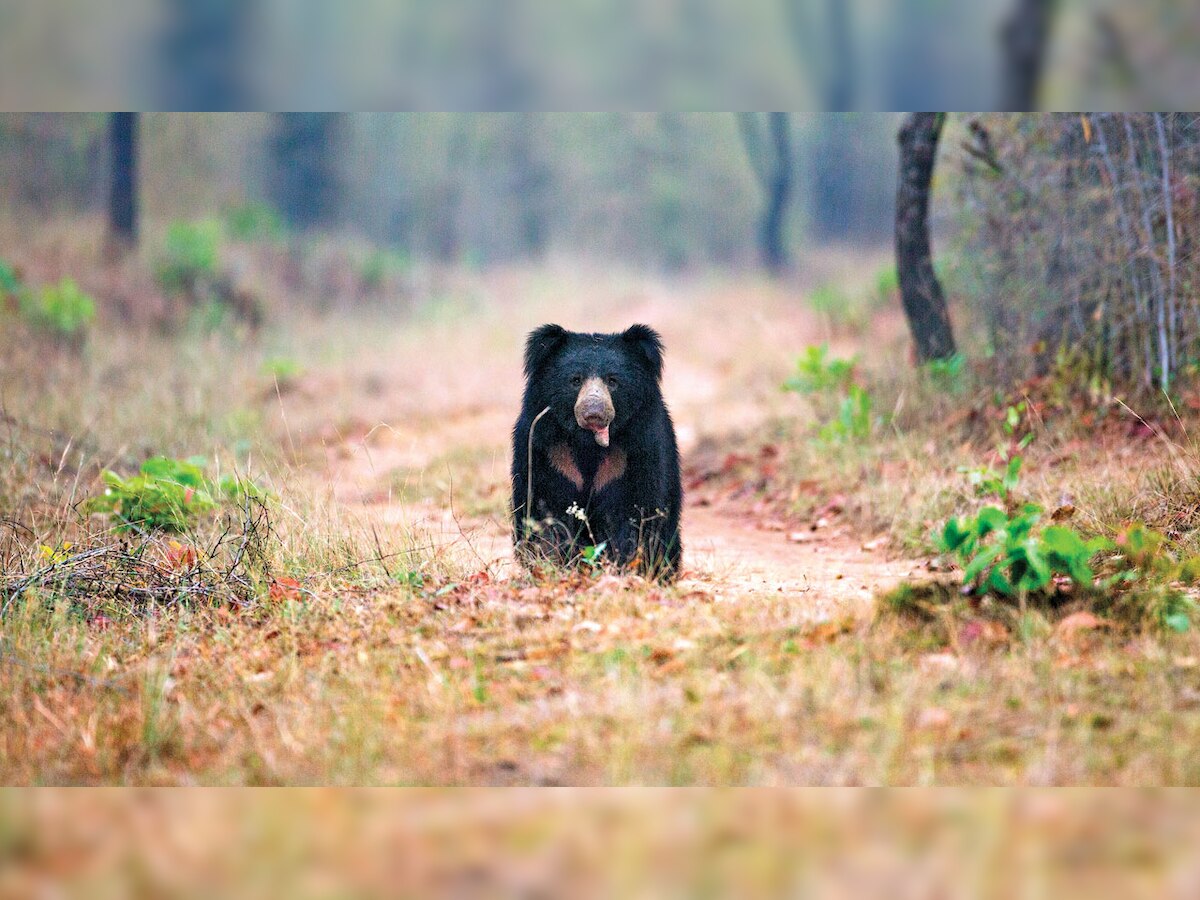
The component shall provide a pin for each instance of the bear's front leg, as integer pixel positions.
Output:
(632, 531)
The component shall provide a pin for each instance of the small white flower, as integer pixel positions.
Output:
(575, 510)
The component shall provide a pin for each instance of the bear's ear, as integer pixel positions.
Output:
(649, 346)
(541, 345)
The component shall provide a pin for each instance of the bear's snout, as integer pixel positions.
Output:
(594, 409)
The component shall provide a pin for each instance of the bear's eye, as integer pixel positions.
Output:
(611, 380)
(576, 380)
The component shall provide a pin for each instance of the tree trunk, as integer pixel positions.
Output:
(1023, 40)
(835, 195)
(122, 197)
(772, 163)
(840, 90)
(779, 194)
(529, 184)
(304, 184)
(924, 302)
(774, 250)
(204, 53)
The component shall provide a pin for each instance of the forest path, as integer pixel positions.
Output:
(436, 482)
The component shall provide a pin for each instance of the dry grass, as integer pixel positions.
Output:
(585, 843)
(384, 638)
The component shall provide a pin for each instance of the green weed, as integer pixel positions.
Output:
(190, 255)
(168, 494)
(948, 375)
(61, 310)
(381, 265)
(10, 284)
(254, 222)
(853, 421)
(817, 372)
(988, 482)
(1011, 555)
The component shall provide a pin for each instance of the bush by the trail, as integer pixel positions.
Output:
(190, 266)
(1012, 560)
(190, 255)
(10, 282)
(168, 494)
(61, 310)
(254, 222)
(817, 371)
(830, 379)
(1013, 555)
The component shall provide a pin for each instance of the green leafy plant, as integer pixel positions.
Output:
(593, 555)
(853, 420)
(988, 482)
(949, 374)
(10, 284)
(282, 369)
(168, 494)
(191, 254)
(254, 222)
(1011, 555)
(887, 284)
(1146, 558)
(60, 309)
(382, 264)
(1014, 415)
(817, 372)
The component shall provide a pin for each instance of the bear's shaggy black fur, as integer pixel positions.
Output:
(604, 467)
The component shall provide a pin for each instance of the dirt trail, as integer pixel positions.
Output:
(728, 552)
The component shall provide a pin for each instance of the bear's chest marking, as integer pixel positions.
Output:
(564, 464)
(612, 467)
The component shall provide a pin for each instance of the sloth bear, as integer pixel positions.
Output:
(595, 463)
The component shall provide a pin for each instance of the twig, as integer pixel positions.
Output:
(529, 466)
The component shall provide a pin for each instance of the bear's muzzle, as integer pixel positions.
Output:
(594, 409)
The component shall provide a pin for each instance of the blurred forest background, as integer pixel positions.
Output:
(652, 54)
(650, 190)
(1061, 240)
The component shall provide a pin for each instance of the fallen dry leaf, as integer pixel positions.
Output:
(284, 589)
(180, 557)
(1076, 623)
(1062, 513)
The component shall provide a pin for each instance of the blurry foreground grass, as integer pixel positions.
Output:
(587, 843)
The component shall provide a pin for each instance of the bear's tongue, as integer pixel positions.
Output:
(601, 435)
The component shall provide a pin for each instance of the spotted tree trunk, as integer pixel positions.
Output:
(921, 293)
(123, 194)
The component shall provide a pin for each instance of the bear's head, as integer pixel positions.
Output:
(593, 383)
